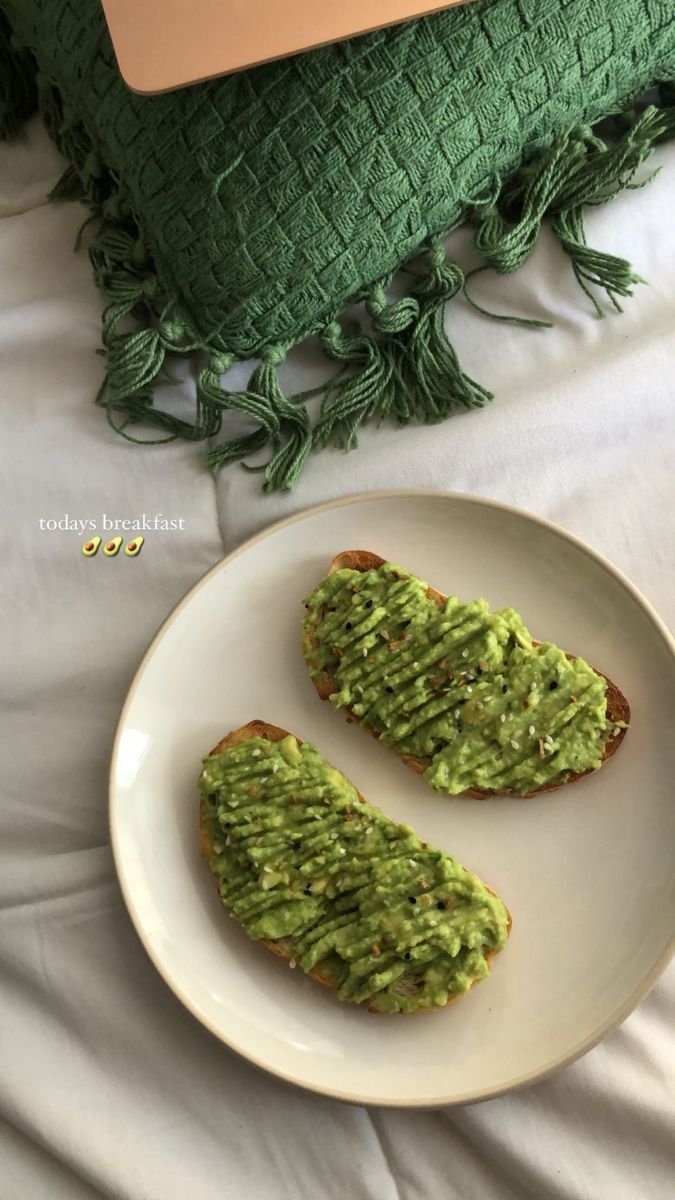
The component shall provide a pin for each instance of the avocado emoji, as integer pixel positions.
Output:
(112, 548)
(133, 547)
(89, 548)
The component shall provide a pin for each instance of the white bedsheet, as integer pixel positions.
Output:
(107, 1086)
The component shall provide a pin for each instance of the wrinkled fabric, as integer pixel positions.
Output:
(108, 1087)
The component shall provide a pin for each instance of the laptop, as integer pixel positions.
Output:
(165, 44)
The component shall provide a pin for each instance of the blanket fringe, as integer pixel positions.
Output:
(578, 170)
(401, 367)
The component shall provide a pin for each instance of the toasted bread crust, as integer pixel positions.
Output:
(283, 948)
(618, 708)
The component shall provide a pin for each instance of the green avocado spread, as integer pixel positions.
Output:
(298, 856)
(456, 685)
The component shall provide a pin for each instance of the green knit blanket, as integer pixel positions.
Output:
(234, 219)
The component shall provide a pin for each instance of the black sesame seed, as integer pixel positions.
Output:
(307, 891)
(348, 625)
(440, 904)
(369, 604)
(412, 899)
(389, 689)
(504, 688)
(295, 845)
(407, 956)
(553, 685)
(462, 701)
(460, 727)
(479, 670)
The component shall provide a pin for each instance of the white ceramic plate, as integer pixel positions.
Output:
(587, 871)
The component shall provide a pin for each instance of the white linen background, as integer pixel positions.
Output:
(108, 1087)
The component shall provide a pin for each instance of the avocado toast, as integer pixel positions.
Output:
(464, 695)
(325, 880)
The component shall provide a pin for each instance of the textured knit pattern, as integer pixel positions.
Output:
(271, 197)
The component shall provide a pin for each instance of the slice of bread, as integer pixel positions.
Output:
(284, 947)
(618, 708)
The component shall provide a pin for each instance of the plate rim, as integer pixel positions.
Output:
(336, 1093)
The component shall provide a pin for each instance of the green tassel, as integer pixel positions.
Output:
(261, 409)
(391, 318)
(284, 469)
(370, 392)
(18, 91)
(578, 169)
(431, 382)
(134, 361)
(139, 408)
(614, 275)
(235, 450)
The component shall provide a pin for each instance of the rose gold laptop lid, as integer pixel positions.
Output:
(164, 44)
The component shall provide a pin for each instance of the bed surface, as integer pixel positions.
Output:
(108, 1088)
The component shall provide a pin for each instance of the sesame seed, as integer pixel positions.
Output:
(515, 744)
(365, 651)
(433, 923)
(416, 665)
(531, 731)
(456, 713)
(368, 829)
(465, 653)
(292, 963)
(533, 685)
(341, 850)
(275, 768)
(469, 691)
(502, 717)
(256, 753)
(411, 862)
